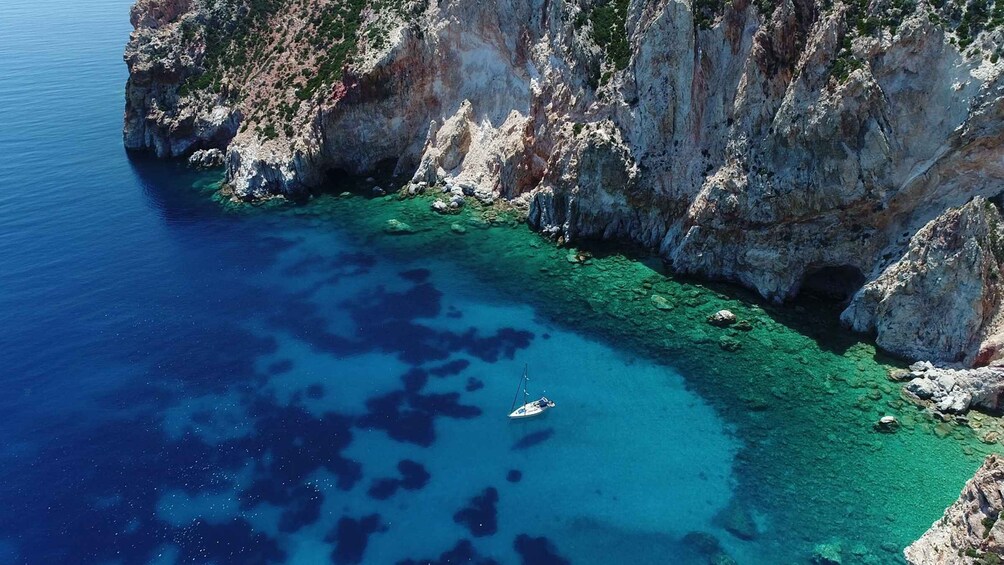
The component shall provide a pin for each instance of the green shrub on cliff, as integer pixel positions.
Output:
(609, 31)
(707, 11)
(335, 33)
(227, 34)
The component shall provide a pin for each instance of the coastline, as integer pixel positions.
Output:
(809, 446)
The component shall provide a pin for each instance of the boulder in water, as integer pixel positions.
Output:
(722, 318)
(661, 303)
(397, 227)
(207, 159)
(887, 424)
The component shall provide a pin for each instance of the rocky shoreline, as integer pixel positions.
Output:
(800, 149)
(956, 391)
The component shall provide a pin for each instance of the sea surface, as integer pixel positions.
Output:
(187, 380)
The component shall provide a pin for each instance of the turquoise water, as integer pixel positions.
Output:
(186, 381)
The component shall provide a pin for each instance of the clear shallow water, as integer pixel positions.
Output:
(187, 382)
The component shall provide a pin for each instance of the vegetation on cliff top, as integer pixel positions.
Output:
(334, 34)
(297, 48)
(231, 37)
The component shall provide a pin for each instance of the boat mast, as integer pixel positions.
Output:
(522, 384)
(526, 379)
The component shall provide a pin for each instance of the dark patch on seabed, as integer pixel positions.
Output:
(533, 438)
(463, 552)
(387, 321)
(315, 391)
(537, 551)
(413, 477)
(409, 416)
(351, 536)
(480, 516)
(451, 368)
(281, 366)
(302, 507)
(416, 275)
(413, 474)
(230, 542)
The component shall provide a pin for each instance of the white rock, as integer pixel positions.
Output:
(722, 318)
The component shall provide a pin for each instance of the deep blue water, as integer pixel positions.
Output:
(184, 384)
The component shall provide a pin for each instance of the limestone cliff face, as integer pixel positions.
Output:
(942, 298)
(970, 532)
(775, 144)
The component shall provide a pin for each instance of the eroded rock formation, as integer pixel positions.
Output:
(941, 299)
(768, 143)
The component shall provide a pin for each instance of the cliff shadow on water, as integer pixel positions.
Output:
(814, 311)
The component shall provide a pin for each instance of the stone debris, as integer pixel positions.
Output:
(956, 390)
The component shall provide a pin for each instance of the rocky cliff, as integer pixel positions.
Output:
(970, 532)
(844, 147)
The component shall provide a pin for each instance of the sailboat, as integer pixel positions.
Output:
(528, 409)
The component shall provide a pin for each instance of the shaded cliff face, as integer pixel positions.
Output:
(775, 144)
(970, 532)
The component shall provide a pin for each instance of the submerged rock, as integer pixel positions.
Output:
(738, 521)
(661, 303)
(827, 554)
(970, 531)
(887, 424)
(722, 318)
(397, 227)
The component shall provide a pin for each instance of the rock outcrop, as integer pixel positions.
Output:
(954, 391)
(783, 145)
(942, 298)
(970, 532)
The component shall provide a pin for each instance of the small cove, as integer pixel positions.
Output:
(190, 382)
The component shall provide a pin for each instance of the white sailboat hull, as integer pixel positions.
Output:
(531, 409)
